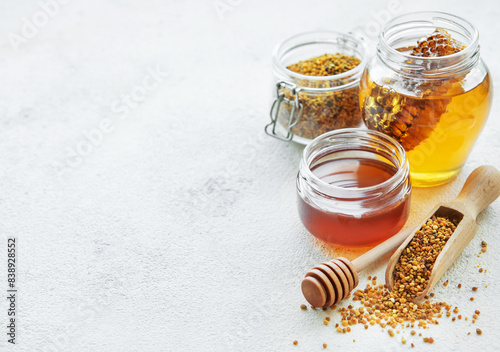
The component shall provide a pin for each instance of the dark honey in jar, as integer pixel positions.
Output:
(354, 188)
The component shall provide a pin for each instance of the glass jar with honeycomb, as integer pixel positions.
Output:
(317, 85)
(428, 88)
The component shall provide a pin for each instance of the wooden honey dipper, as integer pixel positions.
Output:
(332, 281)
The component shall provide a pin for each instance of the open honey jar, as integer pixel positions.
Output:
(354, 187)
(429, 89)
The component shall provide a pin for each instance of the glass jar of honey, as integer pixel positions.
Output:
(428, 88)
(317, 84)
(353, 187)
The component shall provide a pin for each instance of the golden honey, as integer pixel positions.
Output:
(439, 144)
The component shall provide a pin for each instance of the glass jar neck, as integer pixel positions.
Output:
(402, 33)
(365, 142)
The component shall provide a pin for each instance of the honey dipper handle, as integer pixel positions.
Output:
(480, 190)
(380, 251)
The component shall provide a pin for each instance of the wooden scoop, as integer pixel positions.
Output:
(481, 189)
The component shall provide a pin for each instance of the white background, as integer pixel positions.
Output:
(177, 230)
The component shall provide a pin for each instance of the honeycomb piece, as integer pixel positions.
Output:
(439, 43)
(411, 120)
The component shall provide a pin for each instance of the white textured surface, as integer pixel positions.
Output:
(179, 232)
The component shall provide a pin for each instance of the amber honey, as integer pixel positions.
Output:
(360, 224)
(437, 127)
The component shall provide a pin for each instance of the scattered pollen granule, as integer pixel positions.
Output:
(484, 246)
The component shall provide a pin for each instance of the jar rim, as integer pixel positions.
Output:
(454, 62)
(314, 37)
(399, 176)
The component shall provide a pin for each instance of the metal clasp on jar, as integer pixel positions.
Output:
(295, 112)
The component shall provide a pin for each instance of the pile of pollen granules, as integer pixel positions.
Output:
(381, 307)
